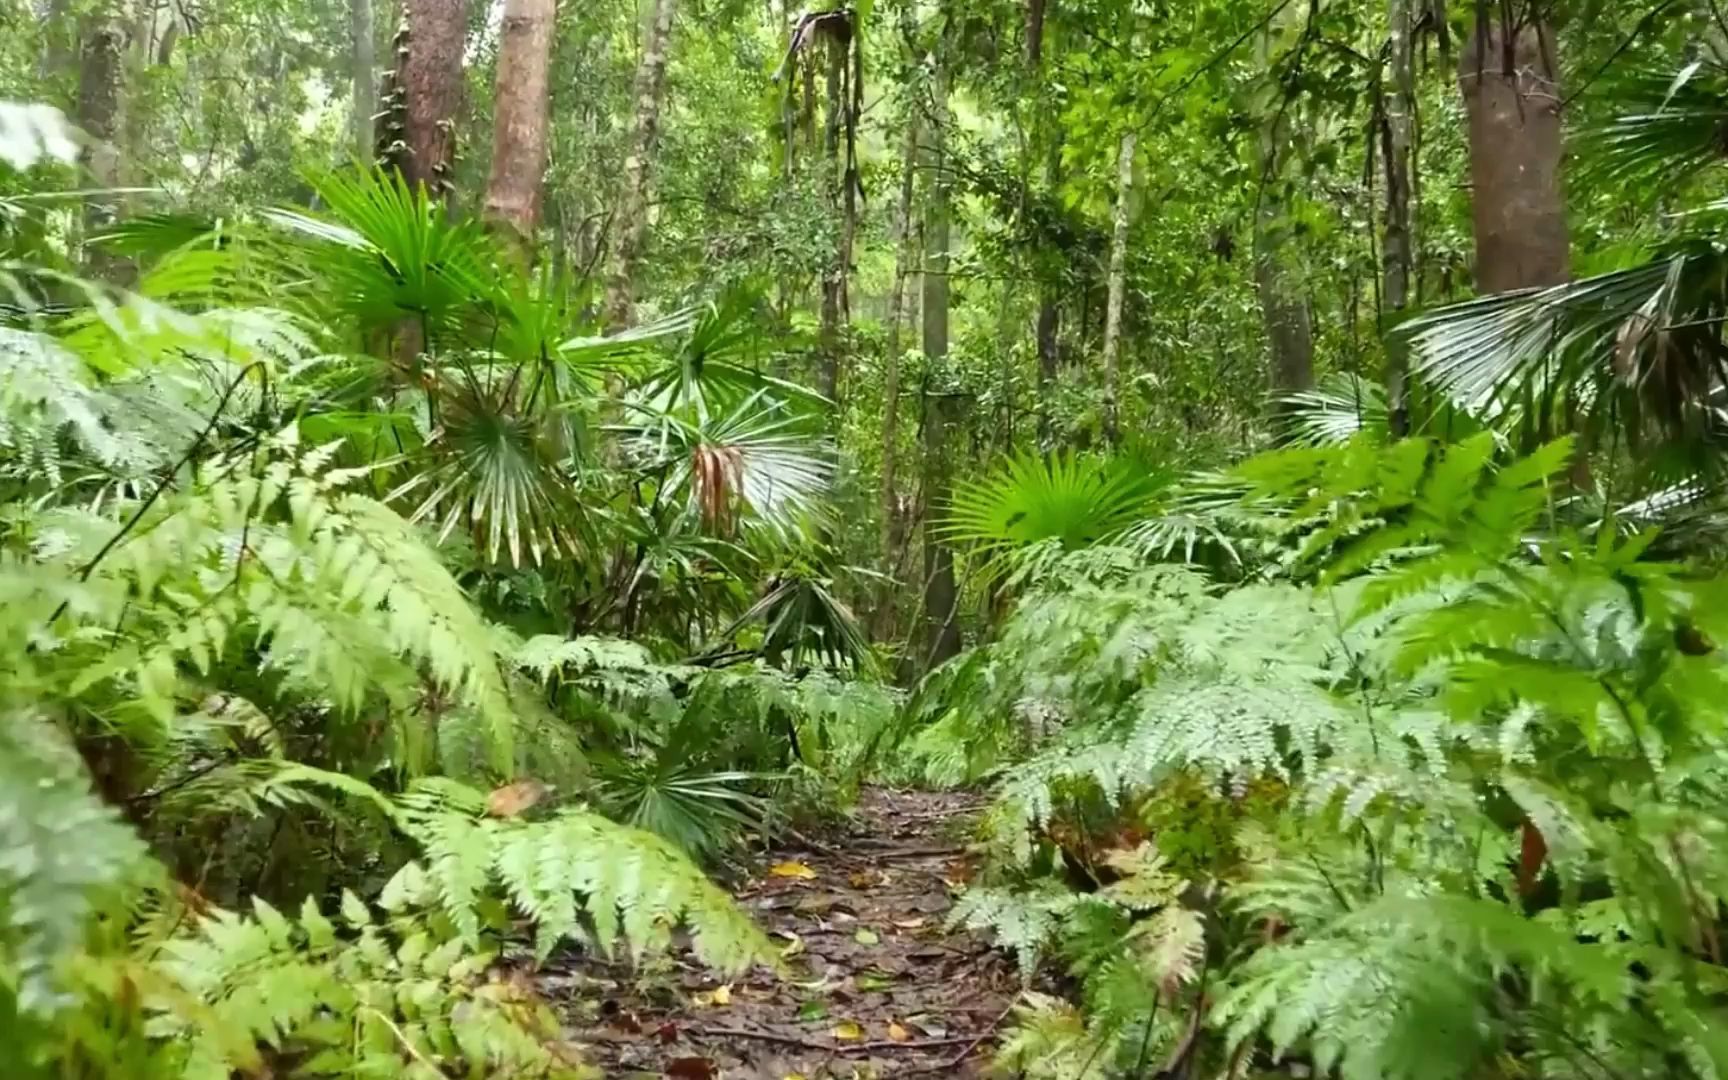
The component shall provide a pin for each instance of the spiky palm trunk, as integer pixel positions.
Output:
(430, 76)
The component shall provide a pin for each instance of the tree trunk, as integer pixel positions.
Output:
(520, 115)
(632, 210)
(1398, 245)
(941, 593)
(834, 274)
(362, 34)
(1508, 76)
(1118, 285)
(1283, 308)
(1048, 324)
(904, 254)
(431, 81)
(101, 100)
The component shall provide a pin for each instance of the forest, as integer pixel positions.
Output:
(1061, 539)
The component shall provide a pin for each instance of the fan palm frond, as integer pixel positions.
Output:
(385, 252)
(1668, 130)
(1066, 501)
(805, 625)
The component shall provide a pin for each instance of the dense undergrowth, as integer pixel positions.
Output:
(374, 626)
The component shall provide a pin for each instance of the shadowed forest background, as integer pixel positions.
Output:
(1047, 538)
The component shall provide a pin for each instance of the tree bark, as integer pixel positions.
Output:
(1508, 76)
(362, 34)
(905, 252)
(1398, 243)
(1048, 324)
(520, 115)
(834, 274)
(632, 210)
(941, 592)
(1118, 284)
(1283, 307)
(431, 80)
(100, 113)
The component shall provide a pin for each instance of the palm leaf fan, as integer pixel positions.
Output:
(1029, 502)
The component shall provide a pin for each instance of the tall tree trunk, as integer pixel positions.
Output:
(941, 592)
(1048, 324)
(100, 106)
(362, 35)
(1283, 307)
(520, 115)
(1398, 245)
(430, 75)
(905, 252)
(1509, 79)
(632, 210)
(1118, 284)
(833, 274)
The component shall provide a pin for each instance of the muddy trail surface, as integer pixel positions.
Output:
(878, 987)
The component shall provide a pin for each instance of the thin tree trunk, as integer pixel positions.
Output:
(833, 274)
(1048, 325)
(1118, 285)
(941, 592)
(520, 115)
(1397, 246)
(632, 211)
(1283, 308)
(905, 252)
(431, 80)
(1508, 76)
(100, 113)
(361, 32)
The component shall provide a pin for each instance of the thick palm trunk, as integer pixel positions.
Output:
(941, 592)
(364, 76)
(520, 115)
(100, 113)
(1398, 244)
(1508, 75)
(632, 209)
(1118, 284)
(430, 76)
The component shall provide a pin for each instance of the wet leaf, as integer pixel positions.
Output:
(813, 1010)
(692, 1068)
(719, 996)
(862, 879)
(867, 936)
(898, 1033)
(909, 924)
(792, 869)
(793, 947)
(514, 799)
(847, 1031)
(874, 980)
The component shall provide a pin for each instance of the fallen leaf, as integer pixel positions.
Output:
(847, 1031)
(793, 1076)
(513, 799)
(867, 936)
(813, 1010)
(898, 1033)
(792, 947)
(708, 999)
(861, 879)
(792, 870)
(932, 1028)
(668, 1032)
(692, 1068)
(909, 924)
(870, 980)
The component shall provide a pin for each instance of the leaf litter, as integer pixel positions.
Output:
(874, 985)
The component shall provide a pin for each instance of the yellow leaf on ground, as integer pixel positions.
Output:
(847, 1031)
(898, 1033)
(792, 870)
(707, 999)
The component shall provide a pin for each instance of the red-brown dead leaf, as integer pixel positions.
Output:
(692, 1068)
(512, 800)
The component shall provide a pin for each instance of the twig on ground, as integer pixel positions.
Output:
(844, 1048)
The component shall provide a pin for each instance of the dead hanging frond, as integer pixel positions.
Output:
(716, 477)
(837, 25)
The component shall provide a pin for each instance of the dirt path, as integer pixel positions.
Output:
(878, 989)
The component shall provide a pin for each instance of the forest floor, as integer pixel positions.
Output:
(876, 986)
